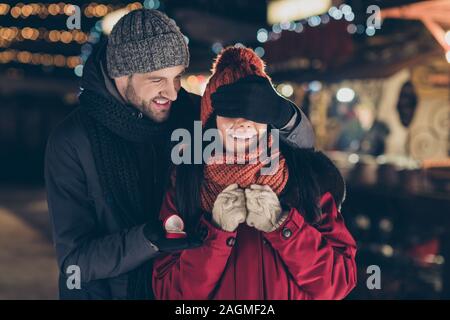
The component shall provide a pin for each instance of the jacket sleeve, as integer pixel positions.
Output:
(78, 238)
(320, 260)
(298, 132)
(191, 274)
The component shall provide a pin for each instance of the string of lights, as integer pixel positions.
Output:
(10, 34)
(265, 34)
(91, 10)
(44, 59)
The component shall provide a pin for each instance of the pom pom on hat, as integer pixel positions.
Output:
(238, 58)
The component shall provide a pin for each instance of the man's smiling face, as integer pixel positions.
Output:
(152, 93)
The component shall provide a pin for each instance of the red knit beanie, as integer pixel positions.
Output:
(230, 65)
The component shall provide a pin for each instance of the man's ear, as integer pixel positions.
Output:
(121, 84)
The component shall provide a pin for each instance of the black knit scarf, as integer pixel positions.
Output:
(113, 129)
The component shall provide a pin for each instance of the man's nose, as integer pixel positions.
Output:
(170, 92)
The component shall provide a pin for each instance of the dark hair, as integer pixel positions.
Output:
(301, 192)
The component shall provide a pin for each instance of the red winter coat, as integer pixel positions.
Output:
(296, 261)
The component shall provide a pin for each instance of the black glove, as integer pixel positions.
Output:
(255, 99)
(155, 233)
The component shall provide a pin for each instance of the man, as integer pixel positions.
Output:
(107, 162)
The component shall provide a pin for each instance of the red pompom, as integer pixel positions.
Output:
(233, 58)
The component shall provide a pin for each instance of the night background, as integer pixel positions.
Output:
(378, 97)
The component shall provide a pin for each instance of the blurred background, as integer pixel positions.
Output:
(373, 76)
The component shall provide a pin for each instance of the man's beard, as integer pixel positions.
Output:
(144, 106)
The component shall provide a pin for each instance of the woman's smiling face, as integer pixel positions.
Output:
(239, 133)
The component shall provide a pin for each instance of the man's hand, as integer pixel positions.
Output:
(155, 233)
(229, 208)
(253, 98)
(264, 209)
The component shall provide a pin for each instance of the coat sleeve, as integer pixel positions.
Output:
(191, 274)
(78, 238)
(298, 132)
(320, 260)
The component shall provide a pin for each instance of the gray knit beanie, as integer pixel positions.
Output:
(144, 41)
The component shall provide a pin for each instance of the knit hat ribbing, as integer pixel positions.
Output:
(143, 41)
(232, 64)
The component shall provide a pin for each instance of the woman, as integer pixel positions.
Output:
(277, 236)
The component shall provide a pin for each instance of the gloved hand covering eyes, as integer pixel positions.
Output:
(255, 99)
